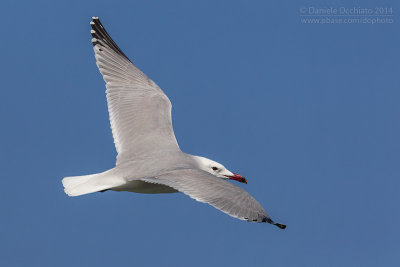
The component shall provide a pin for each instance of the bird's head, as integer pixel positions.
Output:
(218, 169)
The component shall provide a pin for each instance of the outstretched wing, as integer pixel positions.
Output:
(217, 192)
(140, 112)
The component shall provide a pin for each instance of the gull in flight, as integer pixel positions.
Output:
(149, 159)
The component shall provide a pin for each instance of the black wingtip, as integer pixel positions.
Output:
(101, 37)
(282, 226)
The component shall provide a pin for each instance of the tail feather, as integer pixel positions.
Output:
(86, 184)
(70, 182)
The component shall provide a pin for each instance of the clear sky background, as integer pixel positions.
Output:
(309, 113)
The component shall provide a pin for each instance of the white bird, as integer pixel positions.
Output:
(149, 159)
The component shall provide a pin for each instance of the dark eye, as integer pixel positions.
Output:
(215, 168)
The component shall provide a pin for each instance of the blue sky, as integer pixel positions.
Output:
(308, 113)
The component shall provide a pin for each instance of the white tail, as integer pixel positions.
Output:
(86, 184)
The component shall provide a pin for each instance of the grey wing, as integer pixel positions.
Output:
(140, 112)
(215, 191)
